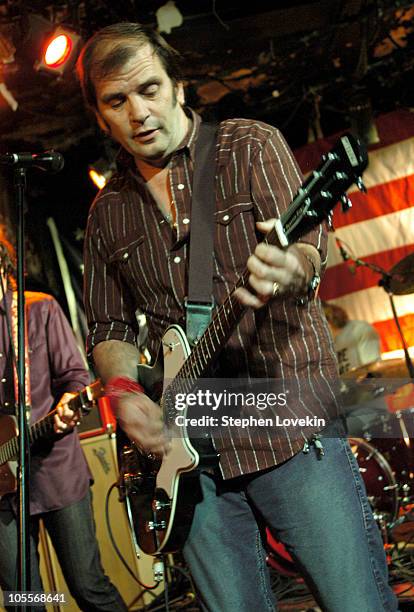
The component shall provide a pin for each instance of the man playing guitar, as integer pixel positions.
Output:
(308, 491)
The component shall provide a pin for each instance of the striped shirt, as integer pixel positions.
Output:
(134, 260)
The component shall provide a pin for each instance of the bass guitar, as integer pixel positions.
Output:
(160, 495)
(81, 404)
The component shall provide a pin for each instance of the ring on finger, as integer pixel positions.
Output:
(276, 288)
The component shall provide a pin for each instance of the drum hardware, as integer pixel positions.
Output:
(382, 487)
(402, 276)
(378, 391)
(403, 428)
(383, 524)
(398, 281)
(389, 372)
(407, 495)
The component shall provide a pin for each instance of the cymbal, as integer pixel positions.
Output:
(386, 368)
(402, 276)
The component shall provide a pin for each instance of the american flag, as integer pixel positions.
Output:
(378, 229)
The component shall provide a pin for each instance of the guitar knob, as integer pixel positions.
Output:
(326, 194)
(346, 203)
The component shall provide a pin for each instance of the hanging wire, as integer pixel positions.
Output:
(219, 19)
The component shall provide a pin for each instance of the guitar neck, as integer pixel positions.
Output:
(225, 319)
(43, 428)
(80, 403)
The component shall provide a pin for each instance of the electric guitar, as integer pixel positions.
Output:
(160, 495)
(81, 404)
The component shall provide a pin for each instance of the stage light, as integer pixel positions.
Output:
(59, 52)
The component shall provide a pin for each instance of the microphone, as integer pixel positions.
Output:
(345, 255)
(49, 161)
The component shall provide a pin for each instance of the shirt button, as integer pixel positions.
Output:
(180, 186)
(177, 259)
(3, 380)
(186, 221)
(1, 354)
(226, 217)
(6, 404)
(125, 256)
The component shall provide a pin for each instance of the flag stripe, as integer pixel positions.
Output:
(375, 236)
(381, 200)
(379, 229)
(346, 277)
(373, 304)
(390, 338)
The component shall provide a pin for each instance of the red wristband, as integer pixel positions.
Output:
(118, 385)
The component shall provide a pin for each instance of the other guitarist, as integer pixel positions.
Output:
(59, 475)
(136, 256)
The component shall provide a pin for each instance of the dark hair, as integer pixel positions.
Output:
(110, 48)
(335, 315)
(7, 258)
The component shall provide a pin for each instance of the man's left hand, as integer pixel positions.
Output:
(64, 418)
(274, 272)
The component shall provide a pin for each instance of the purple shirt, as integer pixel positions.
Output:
(59, 474)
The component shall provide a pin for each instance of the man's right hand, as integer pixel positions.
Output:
(141, 420)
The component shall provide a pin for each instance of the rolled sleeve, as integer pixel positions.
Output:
(108, 303)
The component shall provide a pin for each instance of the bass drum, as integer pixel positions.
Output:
(398, 449)
(382, 492)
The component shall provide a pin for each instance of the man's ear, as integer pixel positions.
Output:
(180, 94)
(101, 122)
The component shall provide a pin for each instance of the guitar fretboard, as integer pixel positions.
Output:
(44, 428)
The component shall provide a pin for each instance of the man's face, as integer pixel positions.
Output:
(140, 108)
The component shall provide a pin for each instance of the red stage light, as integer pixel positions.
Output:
(60, 51)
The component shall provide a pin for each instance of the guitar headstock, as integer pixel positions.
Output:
(339, 169)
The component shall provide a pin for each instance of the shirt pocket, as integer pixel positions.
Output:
(235, 233)
(125, 256)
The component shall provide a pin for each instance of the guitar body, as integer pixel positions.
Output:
(161, 495)
(8, 482)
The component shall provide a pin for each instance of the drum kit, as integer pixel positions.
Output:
(384, 444)
(380, 423)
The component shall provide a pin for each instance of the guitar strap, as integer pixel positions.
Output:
(15, 340)
(200, 302)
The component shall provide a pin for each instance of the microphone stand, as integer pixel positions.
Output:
(385, 283)
(23, 437)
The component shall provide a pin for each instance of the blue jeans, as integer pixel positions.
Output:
(318, 508)
(72, 531)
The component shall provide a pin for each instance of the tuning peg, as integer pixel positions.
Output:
(326, 194)
(360, 185)
(346, 203)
